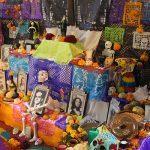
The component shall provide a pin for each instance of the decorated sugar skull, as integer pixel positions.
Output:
(144, 43)
(108, 45)
(42, 76)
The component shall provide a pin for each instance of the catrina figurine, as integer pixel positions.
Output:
(11, 93)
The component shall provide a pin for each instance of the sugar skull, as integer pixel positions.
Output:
(42, 76)
(108, 45)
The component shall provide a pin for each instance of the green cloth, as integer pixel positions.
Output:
(60, 52)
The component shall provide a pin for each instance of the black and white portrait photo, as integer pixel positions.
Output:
(147, 113)
(5, 49)
(3, 81)
(77, 102)
(39, 97)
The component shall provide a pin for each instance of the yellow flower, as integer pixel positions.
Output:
(64, 134)
(73, 133)
(80, 129)
(68, 129)
(71, 122)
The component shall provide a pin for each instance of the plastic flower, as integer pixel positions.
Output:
(68, 129)
(64, 134)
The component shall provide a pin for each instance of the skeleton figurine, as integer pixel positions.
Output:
(34, 110)
(108, 52)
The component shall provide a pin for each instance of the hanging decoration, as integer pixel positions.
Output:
(116, 11)
(114, 34)
(146, 13)
(141, 40)
(53, 11)
(132, 13)
(26, 9)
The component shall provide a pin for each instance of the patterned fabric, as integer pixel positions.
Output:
(92, 83)
(114, 34)
(6, 11)
(19, 63)
(59, 77)
(132, 13)
(116, 11)
(36, 9)
(13, 1)
(53, 11)
(26, 9)
(91, 11)
(146, 13)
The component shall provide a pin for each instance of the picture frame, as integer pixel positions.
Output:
(113, 109)
(3, 85)
(5, 49)
(141, 40)
(39, 97)
(147, 113)
(22, 81)
(77, 102)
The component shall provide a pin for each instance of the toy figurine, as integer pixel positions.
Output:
(33, 111)
(108, 52)
(32, 30)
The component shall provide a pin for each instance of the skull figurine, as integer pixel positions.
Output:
(42, 76)
(108, 52)
(144, 43)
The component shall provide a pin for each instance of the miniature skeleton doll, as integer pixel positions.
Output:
(36, 108)
(108, 52)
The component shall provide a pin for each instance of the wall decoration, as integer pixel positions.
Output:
(26, 9)
(116, 11)
(22, 82)
(141, 40)
(114, 34)
(2, 81)
(146, 13)
(77, 102)
(89, 13)
(39, 97)
(132, 13)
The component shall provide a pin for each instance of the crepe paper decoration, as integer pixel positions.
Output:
(7, 11)
(146, 13)
(116, 11)
(132, 13)
(53, 11)
(114, 34)
(104, 139)
(141, 40)
(61, 123)
(13, 1)
(60, 52)
(26, 9)
(92, 83)
(2, 1)
(19, 63)
(36, 9)
(60, 77)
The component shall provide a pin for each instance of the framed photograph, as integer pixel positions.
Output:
(22, 81)
(3, 85)
(39, 97)
(141, 40)
(147, 113)
(77, 102)
(5, 49)
(113, 109)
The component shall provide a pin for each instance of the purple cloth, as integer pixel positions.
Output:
(7, 11)
(146, 13)
(116, 11)
(60, 77)
(145, 144)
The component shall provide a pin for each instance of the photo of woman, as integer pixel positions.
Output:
(77, 102)
(76, 108)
